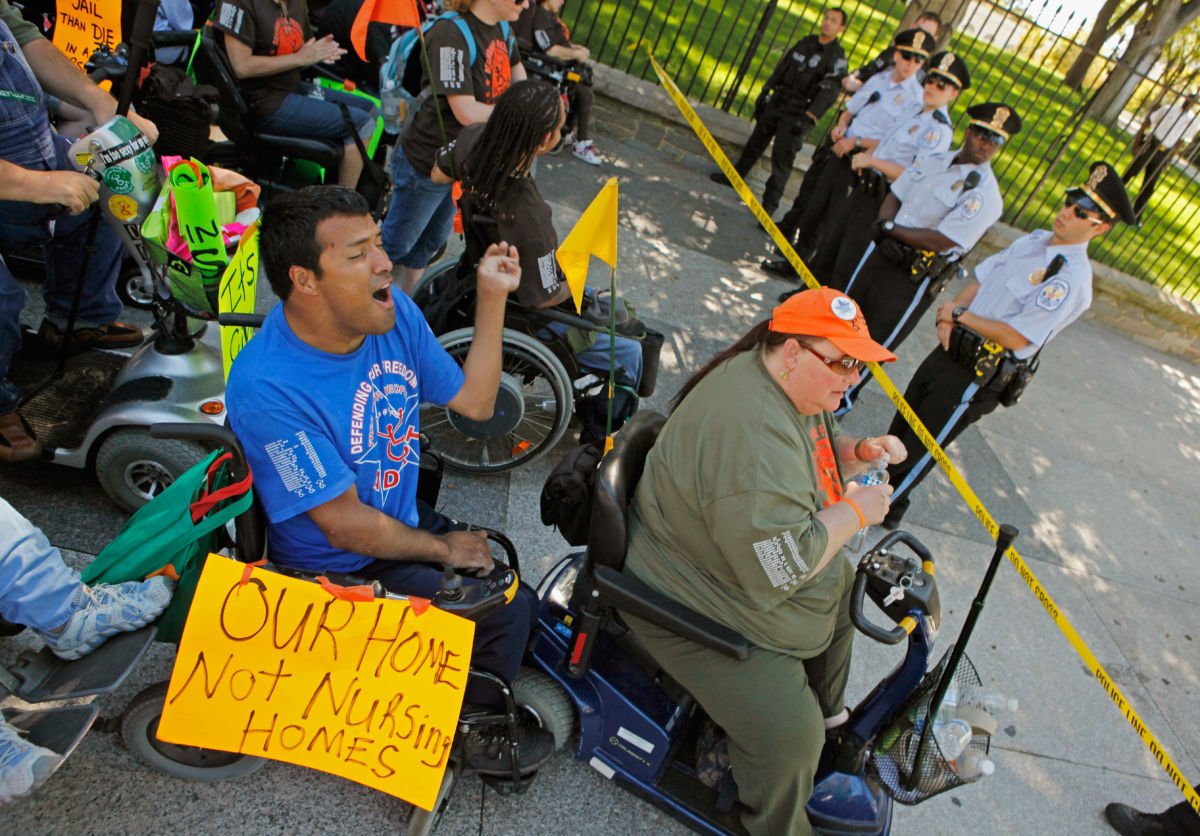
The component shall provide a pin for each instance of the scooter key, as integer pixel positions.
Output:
(894, 595)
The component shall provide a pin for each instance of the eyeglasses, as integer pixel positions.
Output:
(941, 83)
(910, 56)
(1082, 205)
(846, 365)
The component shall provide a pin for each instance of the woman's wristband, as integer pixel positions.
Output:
(862, 518)
(857, 445)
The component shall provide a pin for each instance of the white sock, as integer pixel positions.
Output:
(837, 719)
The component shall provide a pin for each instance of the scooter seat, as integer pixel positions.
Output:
(42, 676)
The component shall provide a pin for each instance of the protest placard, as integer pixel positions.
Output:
(83, 25)
(239, 286)
(277, 667)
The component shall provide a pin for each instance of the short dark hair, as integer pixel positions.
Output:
(842, 12)
(934, 16)
(288, 233)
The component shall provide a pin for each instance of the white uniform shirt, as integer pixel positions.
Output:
(1172, 124)
(915, 138)
(933, 195)
(1009, 293)
(895, 103)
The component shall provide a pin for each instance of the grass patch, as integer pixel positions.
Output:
(703, 43)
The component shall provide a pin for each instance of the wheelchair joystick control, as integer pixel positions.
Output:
(452, 586)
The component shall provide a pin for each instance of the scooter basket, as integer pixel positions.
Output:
(906, 774)
(193, 288)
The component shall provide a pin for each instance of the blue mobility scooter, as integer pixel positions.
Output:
(641, 728)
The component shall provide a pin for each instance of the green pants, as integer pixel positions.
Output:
(772, 706)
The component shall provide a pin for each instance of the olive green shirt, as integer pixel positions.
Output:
(724, 517)
(22, 29)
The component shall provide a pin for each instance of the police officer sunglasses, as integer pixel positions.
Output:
(846, 365)
(940, 83)
(991, 136)
(1082, 205)
(911, 56)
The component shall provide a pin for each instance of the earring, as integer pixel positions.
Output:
(783, 375)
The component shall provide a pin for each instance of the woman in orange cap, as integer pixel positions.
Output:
(740, 514)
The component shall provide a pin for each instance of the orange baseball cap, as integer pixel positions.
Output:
(831, 315)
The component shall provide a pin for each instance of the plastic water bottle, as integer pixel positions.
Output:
(876, 475)
(948, 710)
(389, 100)
(993, 702)
(972, 765)
(953, 737)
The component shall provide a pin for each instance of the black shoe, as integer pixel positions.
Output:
(1130, 822)
(487, 749)
(719, 178)
(781, 268)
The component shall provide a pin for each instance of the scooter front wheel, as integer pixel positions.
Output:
(422, 822)
(139, 731)
(134, 467)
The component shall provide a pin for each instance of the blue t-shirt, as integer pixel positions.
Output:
(313, 424)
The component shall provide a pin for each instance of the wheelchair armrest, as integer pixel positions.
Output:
(566, 318)
(631, 596)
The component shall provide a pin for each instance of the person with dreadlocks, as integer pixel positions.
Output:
(493, 161)
(464, 91)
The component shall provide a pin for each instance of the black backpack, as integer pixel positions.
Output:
(567, 494)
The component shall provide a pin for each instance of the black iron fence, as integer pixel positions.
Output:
(720, 52)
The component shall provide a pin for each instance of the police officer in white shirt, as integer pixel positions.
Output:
(885, 100)
(937, 211)
(1166, 131)
(993, 331)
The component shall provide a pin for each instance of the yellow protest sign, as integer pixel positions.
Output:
(278, 668)
(83, 25)
(239, 284)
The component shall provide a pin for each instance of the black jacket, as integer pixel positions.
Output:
(807, 79)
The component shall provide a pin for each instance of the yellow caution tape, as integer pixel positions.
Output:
(935, 450)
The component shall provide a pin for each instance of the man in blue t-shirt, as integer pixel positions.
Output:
(325, 402)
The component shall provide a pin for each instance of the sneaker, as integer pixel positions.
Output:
(17, 442)
(586, 151)
(567, 140)
(112, 335)
(23, 766)
(105, 610)
(486, 749)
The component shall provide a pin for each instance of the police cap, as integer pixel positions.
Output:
(1106, 190)
(995, 118)
(949, 66)
(916, 42)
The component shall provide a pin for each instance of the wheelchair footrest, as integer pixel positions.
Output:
(44, 677)
(57, 729)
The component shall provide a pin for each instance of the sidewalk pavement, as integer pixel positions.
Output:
(1097, 467)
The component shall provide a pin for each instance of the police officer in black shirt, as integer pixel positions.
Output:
(802, 87)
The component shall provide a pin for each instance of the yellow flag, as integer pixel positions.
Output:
(594, 235)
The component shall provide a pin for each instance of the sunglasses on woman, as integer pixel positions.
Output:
(1081, 206)
(845, 365)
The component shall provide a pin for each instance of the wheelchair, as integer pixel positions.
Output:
(641, 728)
(272, 160)
(542, 383)
(531, 693)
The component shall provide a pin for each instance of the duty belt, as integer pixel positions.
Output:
(993, 365)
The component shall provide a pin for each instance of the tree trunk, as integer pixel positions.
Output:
(1138, 59)
(1079, 69)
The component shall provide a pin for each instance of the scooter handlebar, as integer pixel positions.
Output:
(213, 434)
(859, 620)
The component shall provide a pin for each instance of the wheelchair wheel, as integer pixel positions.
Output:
(139, 731)
(422, 822)
(533, 408)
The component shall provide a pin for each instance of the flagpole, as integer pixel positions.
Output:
(612, 356)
